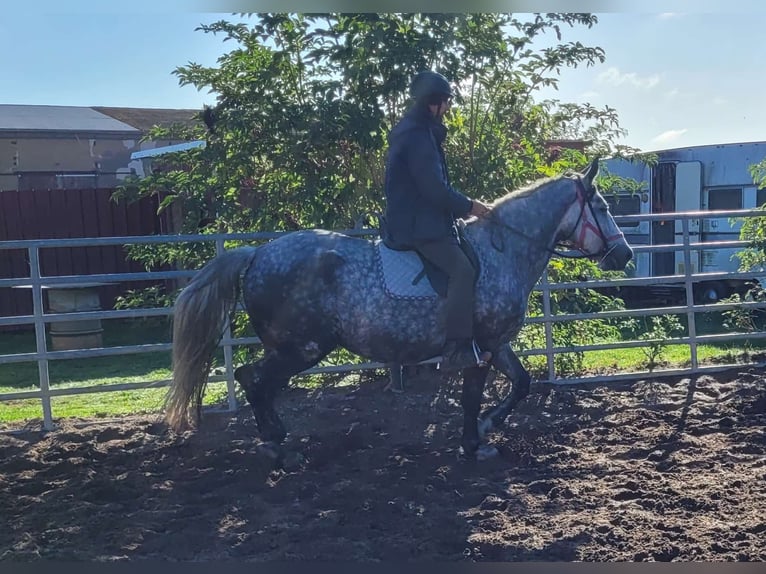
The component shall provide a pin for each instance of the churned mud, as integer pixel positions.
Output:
(655, 470)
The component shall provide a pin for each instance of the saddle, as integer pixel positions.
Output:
(408, 274)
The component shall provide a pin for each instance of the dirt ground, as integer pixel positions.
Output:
(646, 471)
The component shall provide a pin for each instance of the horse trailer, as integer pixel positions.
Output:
(701, 178)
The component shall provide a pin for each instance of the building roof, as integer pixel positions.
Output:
(21, 118)
(146, 118)
(82, 119)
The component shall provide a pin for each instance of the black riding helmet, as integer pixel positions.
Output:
(430, 87)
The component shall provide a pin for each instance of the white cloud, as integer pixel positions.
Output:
(668, 15)
(719, 101)
(669, 136)
(614, 77)
(672, 94)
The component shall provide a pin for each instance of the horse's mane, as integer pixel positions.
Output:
(527, 190)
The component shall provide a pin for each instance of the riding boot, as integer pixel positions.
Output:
(461, 353)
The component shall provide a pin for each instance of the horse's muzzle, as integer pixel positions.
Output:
(616, 257)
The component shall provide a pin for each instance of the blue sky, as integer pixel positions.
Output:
(675, 79)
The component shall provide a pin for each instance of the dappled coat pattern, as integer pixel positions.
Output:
(311, 291)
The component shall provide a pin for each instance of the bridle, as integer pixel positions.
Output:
(584, 197)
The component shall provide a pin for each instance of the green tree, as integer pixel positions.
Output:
(754, 228)
(304, 103)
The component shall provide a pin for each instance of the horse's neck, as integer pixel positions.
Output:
(532, 223)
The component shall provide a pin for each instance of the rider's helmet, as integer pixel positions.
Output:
(430, 88)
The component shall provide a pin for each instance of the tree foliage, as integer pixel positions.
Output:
(304, 103)
(754, 230)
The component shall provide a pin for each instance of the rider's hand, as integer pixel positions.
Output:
(478, 208)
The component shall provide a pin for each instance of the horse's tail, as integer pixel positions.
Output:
(199, 317)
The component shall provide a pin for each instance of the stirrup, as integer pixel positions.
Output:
(477, 355)
(477, 352)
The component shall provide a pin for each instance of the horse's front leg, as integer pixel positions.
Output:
(474, 379)
(506, 361)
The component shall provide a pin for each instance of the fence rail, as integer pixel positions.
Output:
(40, 318)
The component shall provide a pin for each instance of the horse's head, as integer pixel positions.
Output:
(589, 227)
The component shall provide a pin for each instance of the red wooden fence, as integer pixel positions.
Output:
(65, 213)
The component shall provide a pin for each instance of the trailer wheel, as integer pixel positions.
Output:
(711, 292)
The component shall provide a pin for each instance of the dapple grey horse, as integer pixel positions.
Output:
(310, 291)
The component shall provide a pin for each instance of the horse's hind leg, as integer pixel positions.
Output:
(264, 379)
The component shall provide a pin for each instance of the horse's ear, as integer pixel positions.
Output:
(590, 174)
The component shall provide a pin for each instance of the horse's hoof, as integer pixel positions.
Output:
(468, 450)
(276, 435)
(486, 452)
(270, 427)
(484, 426)
(269, 450)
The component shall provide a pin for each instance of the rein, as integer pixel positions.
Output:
(583, 196)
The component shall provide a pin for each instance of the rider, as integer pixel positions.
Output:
(422, 208)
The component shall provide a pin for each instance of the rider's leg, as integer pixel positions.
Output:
(458, 351)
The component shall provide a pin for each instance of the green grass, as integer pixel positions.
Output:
(672, 356)
(98, 405)
(96, 371)
(100, 370)
(148, 367)
(92, 405)
(635, 360)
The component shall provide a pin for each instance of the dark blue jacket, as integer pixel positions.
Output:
(421, 205)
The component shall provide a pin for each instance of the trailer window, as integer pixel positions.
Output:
(624, 205)
(723, 199)
(760, 197)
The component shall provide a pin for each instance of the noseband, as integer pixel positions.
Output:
(584, 197)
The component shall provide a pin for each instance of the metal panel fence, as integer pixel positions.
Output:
(40, 318)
